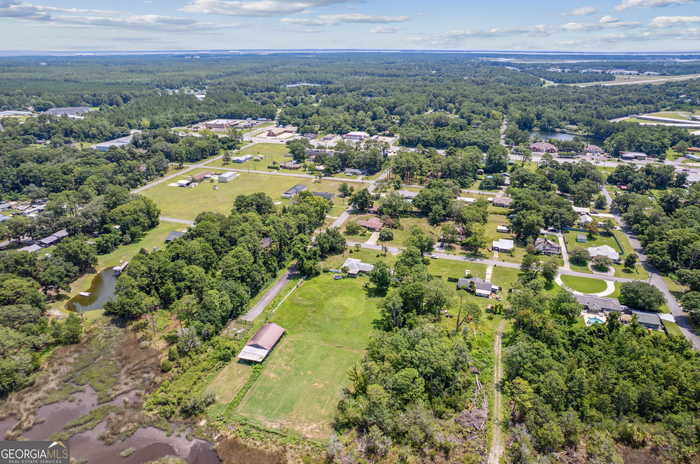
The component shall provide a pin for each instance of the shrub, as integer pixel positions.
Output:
(166, 365)
(196, 405)
(579, 257)
(641, 295)
(386, 235)
(601, 263)
(353, 229)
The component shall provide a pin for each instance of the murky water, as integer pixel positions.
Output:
(5, 425)
(146, 444)
(101, 291)
(52, 417)
(538, 135)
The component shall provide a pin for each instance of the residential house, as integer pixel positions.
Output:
(173, 236)
(53, 238)
(325, 195)
(593, 150)
(407, 194)
(597, 304)
(547, 247)
(355, 266)
(353, 172)
(543, 147)
(374, 224)
(294, 191)
(201, 176)
(503, 245)
(605, 251)
(477, 286)
(262, 343)
(291, 165)
(502, 202)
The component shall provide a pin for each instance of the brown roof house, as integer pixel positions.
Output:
(374, 223)
(262, 343)
(543, 147)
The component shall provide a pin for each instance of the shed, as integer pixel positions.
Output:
(227, 177)
(262, 343)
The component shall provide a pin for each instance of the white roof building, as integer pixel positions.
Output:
(355, 266)
(604, 250)
(503, 245)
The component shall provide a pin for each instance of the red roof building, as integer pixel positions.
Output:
(262, 343)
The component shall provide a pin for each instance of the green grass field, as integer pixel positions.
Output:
(583, 284)
(187, 203)
(328, 325)
(271, 152)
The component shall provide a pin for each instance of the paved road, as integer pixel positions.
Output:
(267, 298)
(176, 220)
(655, 279)
(277, 173)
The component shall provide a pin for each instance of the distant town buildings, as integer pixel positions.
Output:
(74, 112)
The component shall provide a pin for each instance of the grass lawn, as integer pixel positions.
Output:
(187, 203)
(505, 278)
(402, 234)
(271, 152)
(328, 325)
(583, 284)
(154, 238)
(671, 115)
(445, 269)
(672, 328)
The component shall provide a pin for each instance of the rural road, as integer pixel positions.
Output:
(177, 221)
(270, 295)
(655, 279)
(496, 449)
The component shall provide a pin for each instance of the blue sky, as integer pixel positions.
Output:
(595, 25)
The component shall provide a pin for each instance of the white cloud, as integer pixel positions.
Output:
(650, 3)
(608, 20)
(103, 18)
(583, 11)
(255, 7)
(384, 30)
(332, 20)
(670, 21)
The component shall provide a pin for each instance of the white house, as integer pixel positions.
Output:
(604, 250)
(504, 245)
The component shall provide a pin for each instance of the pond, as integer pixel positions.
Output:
(100, 292)
(540, 135)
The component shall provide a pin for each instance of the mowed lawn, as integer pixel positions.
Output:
(583, 284)
(328, 324)
(270, 152)
(187, 203)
